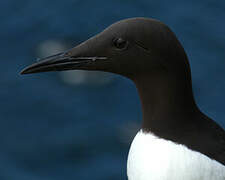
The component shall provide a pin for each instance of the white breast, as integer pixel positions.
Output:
(152, 158)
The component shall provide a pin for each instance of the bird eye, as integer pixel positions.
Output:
(120, 43)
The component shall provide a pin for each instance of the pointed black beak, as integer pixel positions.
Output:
(62, 61)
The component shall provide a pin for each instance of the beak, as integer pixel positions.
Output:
(69, 60)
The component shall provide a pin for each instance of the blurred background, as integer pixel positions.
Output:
(50, 123)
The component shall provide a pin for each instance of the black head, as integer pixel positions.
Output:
(127, 47)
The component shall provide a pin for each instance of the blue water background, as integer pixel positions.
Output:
(50, 130)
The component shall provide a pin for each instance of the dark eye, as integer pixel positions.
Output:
(120, 43)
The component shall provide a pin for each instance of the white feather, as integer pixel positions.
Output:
(153, 158)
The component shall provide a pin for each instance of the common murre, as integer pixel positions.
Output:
(177, 140)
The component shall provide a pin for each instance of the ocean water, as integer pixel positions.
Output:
(51, 130)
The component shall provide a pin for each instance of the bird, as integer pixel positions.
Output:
(176, 140)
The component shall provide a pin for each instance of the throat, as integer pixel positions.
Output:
(167, 100)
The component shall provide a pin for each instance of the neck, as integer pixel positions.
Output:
(166, 98)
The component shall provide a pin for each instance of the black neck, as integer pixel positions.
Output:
(166, 97)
